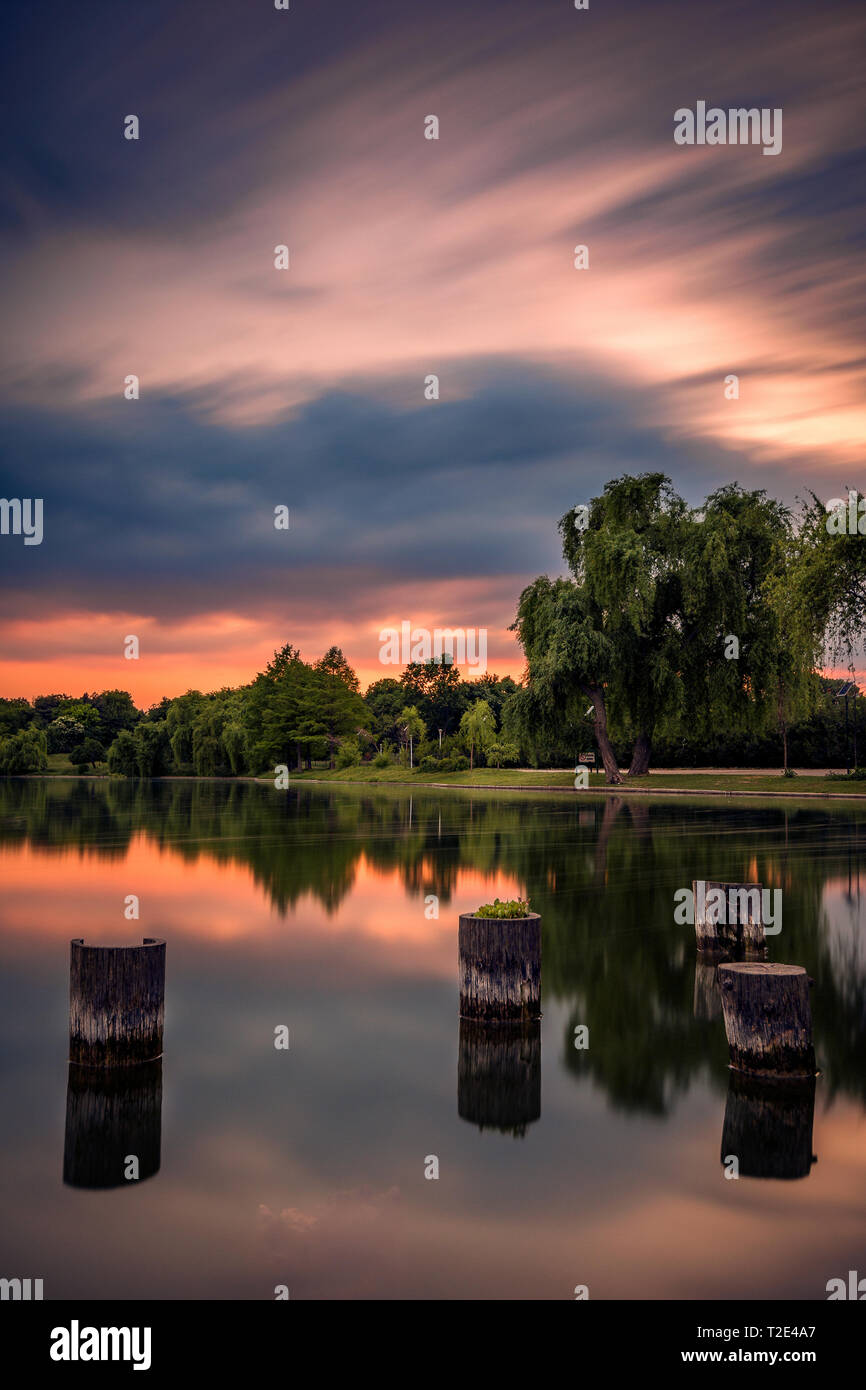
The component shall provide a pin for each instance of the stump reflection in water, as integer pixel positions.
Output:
(499, 1075)
(768, 1126)
(112, 1113)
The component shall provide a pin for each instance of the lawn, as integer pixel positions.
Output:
(563, 778)
(60, 766)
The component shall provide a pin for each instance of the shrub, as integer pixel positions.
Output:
(348, 753)
(385, 758)
(461, 763)
(428, 764)
(516, 907)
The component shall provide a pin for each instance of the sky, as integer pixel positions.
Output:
(305, 387)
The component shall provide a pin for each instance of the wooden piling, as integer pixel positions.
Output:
(734, 928)
(768, 1018)
(116, 1003)
(499, 964)
(499, 1075)
(768, 1126)
(112, 1113)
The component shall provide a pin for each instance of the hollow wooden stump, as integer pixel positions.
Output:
(768, 1126)
(112, 1113)
(728, 918)
(499, 1075)
(116, 1003)
(499, 963)
(768, 1018)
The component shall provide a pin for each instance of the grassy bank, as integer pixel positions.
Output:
(543, 780)
(562, 779)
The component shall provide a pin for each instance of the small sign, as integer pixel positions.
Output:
(587, 758)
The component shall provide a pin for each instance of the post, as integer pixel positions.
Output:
(728, 918)
(768, 1018)
(116, 1003)
(499, 1075)
(499, 964)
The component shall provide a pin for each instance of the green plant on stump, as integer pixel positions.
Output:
(515, 908)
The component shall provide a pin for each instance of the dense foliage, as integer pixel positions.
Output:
(685, 626)
(515, 907)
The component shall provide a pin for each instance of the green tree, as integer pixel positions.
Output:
(336, 664)
(503, 752)
(830, 570)
(87, 754)
(625, 556)
(438, 693)
(75, 721)
(385, 699)
(122, 760)
(116, 711)
(14, 716)
(46, 708)
(152, 748)
(478, 729)
(411, 728)
(735, 555)
(492, 688)
(23, 752)
(180, 720)
(336, 707)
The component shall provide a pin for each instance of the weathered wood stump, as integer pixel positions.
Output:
(116, 1003)
(499, 963)
(111, 1114)
(768, 1018)
(768, 1126)
(728, 918)
(499, 1075)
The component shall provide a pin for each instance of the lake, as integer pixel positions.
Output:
(313, 910)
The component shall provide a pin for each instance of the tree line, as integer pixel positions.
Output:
(692, 635)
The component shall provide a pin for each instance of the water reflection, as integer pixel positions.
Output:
(308, 908)
(499, 1075)
(113, 1114)
(602, 874)
(768, 1127)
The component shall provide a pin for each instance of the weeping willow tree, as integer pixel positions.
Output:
(829, 571)
(750, 642)
(608, 634)
(673, 618)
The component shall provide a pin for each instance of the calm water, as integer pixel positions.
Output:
(306, 1167)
